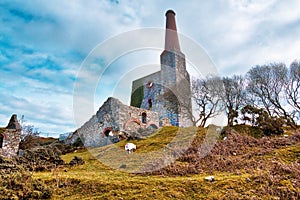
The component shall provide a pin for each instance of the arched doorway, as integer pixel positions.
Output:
(108, 132)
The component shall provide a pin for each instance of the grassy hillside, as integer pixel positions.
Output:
(244, 168)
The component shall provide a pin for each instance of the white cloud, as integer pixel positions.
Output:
(237, 34)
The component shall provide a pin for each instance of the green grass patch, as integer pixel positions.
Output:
(289, 154)
(248, 130)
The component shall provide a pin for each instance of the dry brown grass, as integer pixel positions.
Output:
(244, 167)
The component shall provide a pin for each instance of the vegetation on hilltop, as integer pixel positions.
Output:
(266, 96)
(243, 166)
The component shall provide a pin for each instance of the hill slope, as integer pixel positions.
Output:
(243, 167)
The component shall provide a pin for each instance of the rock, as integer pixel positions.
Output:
(76, 161)
(210, 178)
(123, 166)
(13, 123)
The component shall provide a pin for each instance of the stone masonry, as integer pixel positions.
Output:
(113, 117)
(10, 137)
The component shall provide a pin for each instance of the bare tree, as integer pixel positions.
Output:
(233, 97)
(206, 95)
(267, 83)
(29, 137)
(293, 86)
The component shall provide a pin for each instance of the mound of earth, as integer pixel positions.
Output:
(270, 161)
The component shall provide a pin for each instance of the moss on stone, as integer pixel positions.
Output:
(137, 97)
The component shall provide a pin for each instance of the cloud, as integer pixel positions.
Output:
(43, 114)
(43, 43)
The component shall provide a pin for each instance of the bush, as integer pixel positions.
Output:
(41, 159)
(17, 183)
(29, 138)
(245, 129)
(261, 119)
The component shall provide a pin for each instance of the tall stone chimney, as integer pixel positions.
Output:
(175, 77)
(171, 40)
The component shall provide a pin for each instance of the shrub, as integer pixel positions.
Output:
(17, 183)
(261, 119)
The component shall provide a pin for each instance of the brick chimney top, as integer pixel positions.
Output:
(171, 40)
(170, 12)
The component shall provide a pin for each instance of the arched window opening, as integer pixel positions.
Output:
(150, 104)
(149, 84)
(144, 118)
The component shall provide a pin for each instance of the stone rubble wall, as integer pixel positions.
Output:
(112, 116)
(11, 138)
(11, 141)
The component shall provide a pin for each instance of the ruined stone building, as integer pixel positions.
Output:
(159, 99)
(10, 137)
(167, 91)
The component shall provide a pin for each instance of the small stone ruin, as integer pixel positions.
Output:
(10, 137)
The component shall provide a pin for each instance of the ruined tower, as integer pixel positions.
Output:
(167, 91)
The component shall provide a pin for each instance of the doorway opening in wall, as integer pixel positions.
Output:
(1, 140)
(150, 104)
(144, 118)
(108, 132)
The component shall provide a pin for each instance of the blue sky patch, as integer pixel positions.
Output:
(43, 44)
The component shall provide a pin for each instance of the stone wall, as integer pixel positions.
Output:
(144, 85)
(172, 79)
(10, 138)
(112, 118)
(154, 87)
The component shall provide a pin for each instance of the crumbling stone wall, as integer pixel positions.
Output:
(112, 118)
(10, 138)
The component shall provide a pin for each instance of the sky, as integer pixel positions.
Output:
(44, 43)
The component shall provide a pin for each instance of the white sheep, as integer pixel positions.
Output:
(130, 147)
